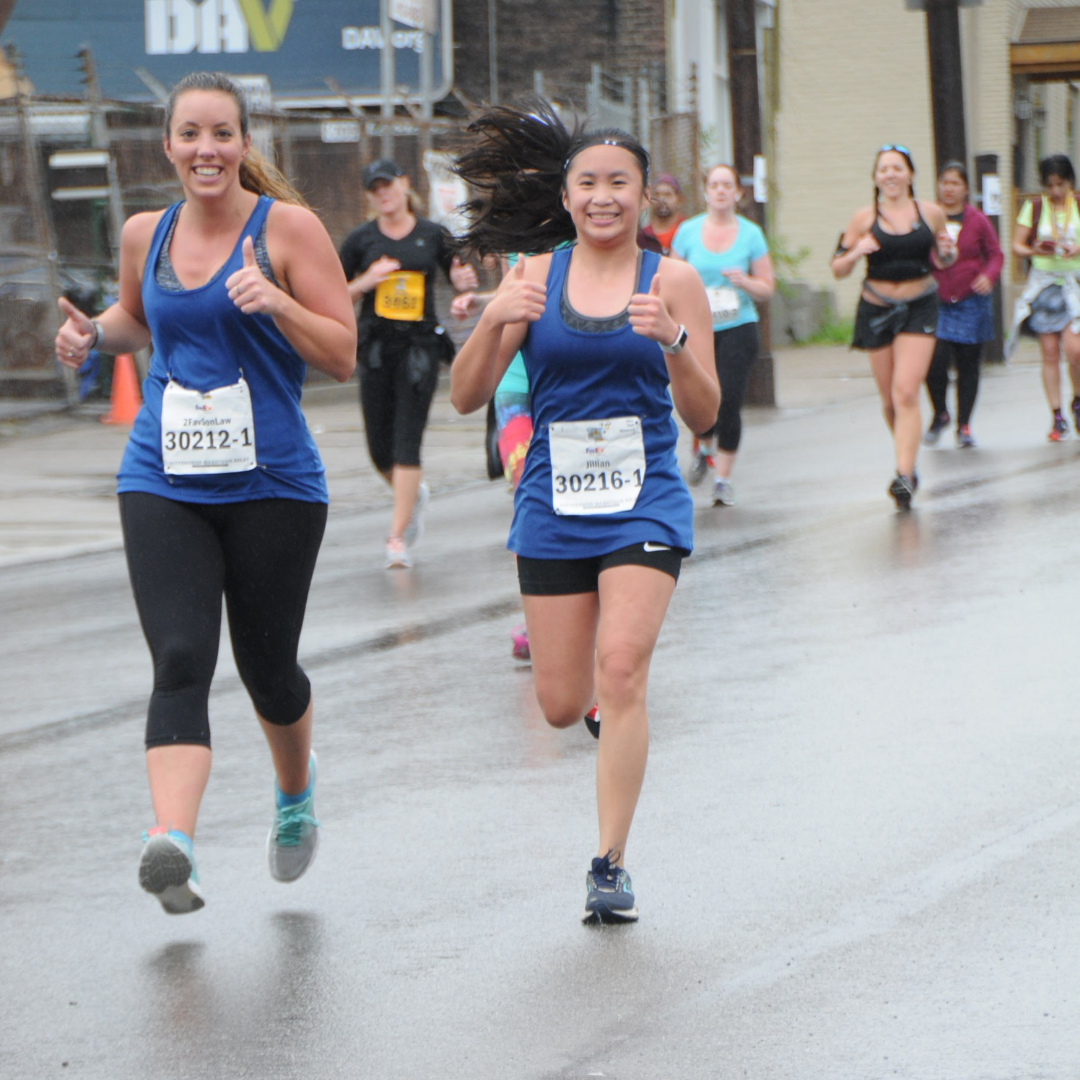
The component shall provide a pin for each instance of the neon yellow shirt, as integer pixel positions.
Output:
(1064, 225)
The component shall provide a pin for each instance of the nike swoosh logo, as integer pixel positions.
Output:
(647, 546)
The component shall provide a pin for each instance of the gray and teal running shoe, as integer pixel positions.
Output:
(167, 871)
(294, 836)
(611, 895)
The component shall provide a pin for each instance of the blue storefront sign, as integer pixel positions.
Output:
(295, 44)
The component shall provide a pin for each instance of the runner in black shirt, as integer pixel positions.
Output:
(390, 263)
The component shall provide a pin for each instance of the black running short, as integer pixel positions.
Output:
(918, 316)
(563, 577)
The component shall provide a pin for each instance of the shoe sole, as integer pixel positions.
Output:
(165, 872)
(602, 915)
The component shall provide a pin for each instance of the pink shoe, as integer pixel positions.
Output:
(520, 637)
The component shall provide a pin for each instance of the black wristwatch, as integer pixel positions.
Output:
(678, 343)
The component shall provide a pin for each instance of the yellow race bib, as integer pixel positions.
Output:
(401, 296)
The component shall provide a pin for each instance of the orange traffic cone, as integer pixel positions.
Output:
(125, 400)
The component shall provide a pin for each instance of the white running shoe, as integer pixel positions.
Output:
(397, 555)
(723, 494)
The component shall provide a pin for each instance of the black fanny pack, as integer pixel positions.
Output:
(894, 317)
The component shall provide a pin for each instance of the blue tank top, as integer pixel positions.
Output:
(203, 340)
(580, 375)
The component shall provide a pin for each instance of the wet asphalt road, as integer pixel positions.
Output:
(856, 854)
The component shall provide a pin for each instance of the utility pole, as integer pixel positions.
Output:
(493, 56)
(427, 74)
(946, 80)
(386, 71)
(746, 137)
(987, 165)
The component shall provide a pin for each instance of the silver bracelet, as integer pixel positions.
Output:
(99, 333)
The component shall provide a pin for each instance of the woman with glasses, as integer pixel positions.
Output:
(1048, 233)
(903, 240)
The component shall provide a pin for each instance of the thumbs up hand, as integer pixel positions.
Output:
(75, 338)
(649, 317)
(517, 299)
(249, 288)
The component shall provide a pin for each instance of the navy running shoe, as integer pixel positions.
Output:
(902, 489)
(611, 896)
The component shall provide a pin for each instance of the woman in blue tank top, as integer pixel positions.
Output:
(238, 288)
(602, 518)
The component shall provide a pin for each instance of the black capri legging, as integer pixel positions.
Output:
(735, 351)
(181, 558)
(398, 377)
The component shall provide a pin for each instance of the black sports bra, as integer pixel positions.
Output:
(901, 256)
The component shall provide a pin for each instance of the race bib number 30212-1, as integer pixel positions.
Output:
(207, 433)
(401, 296)
(597, 466)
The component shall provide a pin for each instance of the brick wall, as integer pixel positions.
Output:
(560, 38)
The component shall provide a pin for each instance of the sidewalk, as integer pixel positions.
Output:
(57, 471)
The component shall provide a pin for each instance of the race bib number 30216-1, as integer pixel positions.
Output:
(401, 296)
(724, 304)
(207, 433)
(597, 466)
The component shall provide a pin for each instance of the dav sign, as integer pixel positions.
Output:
(215, 26)
(291, 44)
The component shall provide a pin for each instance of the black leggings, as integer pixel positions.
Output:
(967, 359)
(397, 383)
(735, 351)
(181, 558)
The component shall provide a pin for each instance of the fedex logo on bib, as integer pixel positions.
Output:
(597, 466)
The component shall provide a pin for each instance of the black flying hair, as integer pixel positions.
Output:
(516, 170)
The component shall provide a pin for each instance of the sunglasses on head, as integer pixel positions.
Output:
(895, 146)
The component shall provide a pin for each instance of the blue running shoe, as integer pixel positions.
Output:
(294, 836)
(167, 871)
(611, 896)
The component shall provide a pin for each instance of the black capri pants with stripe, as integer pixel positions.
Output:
(182, 557)
(734, 351)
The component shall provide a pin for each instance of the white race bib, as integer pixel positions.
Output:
(597, 466)
(207, 433)
(724, 304)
